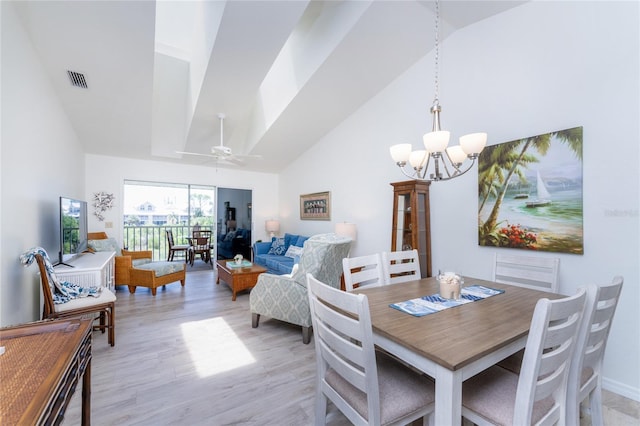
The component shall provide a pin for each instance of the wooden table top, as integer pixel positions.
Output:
(36, 357)
(456, 336)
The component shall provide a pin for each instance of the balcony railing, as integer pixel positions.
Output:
(154, 238)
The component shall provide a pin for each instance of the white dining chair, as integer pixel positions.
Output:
(585, 375)
(401, 266)
(538, 395)
(538, 273)
(367, 386)
(363, 271)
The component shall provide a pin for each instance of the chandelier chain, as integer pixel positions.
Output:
(436, 95)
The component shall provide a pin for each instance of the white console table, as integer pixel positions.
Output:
(90, 270)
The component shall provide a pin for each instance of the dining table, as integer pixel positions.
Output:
(454, 344)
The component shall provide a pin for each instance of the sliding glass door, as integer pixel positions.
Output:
(151, 208)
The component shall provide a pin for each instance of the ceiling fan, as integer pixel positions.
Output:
(221, 153)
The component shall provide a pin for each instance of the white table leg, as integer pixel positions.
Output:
(448, 397)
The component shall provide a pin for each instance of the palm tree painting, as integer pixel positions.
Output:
(530, 193)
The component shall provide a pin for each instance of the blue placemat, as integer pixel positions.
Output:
(426, 305)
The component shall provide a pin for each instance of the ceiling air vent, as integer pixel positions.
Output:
(77, 79)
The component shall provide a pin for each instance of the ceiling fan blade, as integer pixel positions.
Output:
(198, 154)
(229, 162)
(247, 156)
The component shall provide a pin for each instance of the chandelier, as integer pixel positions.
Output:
(448, 163)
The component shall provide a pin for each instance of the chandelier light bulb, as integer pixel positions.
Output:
(400, 152)
(418, 159)
(436, 141)
(474, 143)
(456, 154)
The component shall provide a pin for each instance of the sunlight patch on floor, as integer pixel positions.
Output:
(214, 347)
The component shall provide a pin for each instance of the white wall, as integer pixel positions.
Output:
(541, 67)
(41, 160)
(109, 173)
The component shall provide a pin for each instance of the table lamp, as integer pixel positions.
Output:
(346, 229)
(272, 226)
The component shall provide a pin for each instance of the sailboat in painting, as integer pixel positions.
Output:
(544, 198)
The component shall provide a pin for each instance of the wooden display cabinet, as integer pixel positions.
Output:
(411, 227)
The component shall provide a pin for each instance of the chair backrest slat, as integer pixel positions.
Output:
(401, 266)
(48, 307)
(527, 271)
(363, 271)
(170, 238)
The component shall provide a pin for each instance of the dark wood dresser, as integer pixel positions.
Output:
(40, 369)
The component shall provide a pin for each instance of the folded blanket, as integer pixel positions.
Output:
(62, 291)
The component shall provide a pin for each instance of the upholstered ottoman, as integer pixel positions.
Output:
(156, 274)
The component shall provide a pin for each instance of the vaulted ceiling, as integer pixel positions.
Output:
(284, 72)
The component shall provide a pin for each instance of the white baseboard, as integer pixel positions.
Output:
(621, 389)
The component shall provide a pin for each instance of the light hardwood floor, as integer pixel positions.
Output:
(189, 356)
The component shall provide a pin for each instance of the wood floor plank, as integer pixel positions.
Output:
(189, 356)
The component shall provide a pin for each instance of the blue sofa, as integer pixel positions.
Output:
(276, 262)
(234, 242)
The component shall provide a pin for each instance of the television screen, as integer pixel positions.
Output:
(73, 228)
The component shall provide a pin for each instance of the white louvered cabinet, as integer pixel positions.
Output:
(90, 270)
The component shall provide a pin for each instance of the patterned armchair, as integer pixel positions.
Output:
(284, 297)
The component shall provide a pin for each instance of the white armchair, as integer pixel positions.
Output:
(284, 297)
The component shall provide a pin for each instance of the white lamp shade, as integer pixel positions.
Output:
(272, 225)
(456, 154)
(400, 152)
(436, 141)
(418, 159)
(346, 229)
(473, 143)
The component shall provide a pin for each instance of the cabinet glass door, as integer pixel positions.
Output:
(403, 223)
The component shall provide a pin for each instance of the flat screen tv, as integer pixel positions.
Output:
(73, 229)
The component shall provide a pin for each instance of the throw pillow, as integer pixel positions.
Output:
(293, 251)
(289, 239)
(277, 247)
(109, 244)
(300, 241)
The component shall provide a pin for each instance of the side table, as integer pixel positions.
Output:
(41, 366)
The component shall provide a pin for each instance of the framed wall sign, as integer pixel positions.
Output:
(315, 206)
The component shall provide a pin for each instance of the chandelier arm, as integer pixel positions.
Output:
(410, 176)
(461, 172)
(426, 167)
(456, 169)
